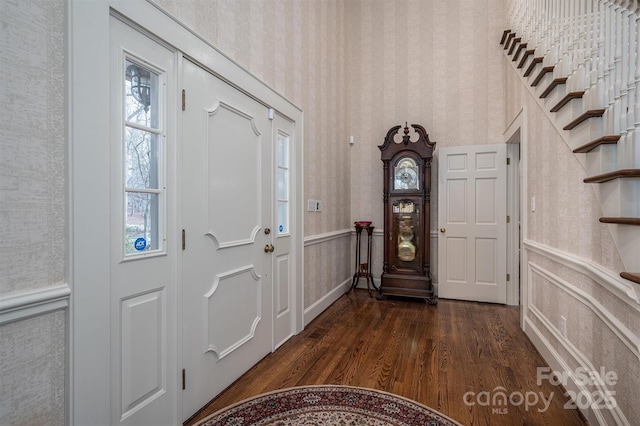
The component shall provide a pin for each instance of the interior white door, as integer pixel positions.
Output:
(143, 253)
(472, 219)
(226, 209)
(283, 261)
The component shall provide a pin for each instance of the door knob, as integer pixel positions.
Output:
(268, 248)
(443, 230)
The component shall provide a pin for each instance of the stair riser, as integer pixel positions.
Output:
(603, 159)
(628, 241)
(584, 132)
(620, 197)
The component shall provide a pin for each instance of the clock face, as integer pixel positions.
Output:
(406, 174)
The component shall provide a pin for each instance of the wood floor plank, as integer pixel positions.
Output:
(436, 355)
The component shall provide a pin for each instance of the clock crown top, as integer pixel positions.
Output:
(412, 137)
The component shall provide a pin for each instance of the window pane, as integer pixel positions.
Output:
(283, 217)
(141, 222)
(282, 184)
(282, 154)
(141, 95)
(141, 159)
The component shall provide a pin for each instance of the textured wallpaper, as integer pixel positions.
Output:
(432, 63)
(33, 200)
(32, 362)
(32, 145)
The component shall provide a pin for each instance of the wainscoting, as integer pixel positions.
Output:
(33, 329)
(600, 312)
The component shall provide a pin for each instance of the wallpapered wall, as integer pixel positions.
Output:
(32, 206)
(432, 63)
(32, 145)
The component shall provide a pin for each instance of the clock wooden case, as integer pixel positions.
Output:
(406, 156)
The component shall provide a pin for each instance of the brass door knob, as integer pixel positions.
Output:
(269, 248)
(443, 230)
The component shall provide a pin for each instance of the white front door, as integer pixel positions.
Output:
(227, 203)
(143, 248)
(472, 220)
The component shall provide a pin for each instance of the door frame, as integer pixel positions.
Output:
(517, 290)
(89, 137)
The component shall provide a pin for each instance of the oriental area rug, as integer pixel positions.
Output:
(327, 405)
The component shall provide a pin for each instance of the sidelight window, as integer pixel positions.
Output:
(143, 192)
(283, 175)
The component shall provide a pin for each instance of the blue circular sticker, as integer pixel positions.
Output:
(140, 244)
(281, 228)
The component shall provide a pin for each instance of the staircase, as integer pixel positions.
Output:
(581, 59)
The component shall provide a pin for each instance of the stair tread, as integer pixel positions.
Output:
(568, 98)
(542, 73)
(534, 62)
(604, 140)
(527, 53)
(592, 113)
(621, 220)
(518, 50)
(555, 83)
(616, 174)
(505, 33)
(631, 276)
(513, 44)
(509, 38)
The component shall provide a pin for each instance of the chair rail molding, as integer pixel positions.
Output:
(625, 290)
(29, 303)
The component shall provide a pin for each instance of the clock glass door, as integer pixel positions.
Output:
(405, 227)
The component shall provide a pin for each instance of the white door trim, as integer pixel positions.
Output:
(89, 130)
(516, 132)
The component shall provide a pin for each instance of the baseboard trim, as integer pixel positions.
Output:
(558, 364)
(327, 300)
(19, 306)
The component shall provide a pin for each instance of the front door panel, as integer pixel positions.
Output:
(143, 253)
(227, 199)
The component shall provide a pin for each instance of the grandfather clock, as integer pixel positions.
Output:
(406, 156)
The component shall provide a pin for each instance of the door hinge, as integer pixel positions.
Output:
(184, 379)
(184, 239)
(508, 279)
(508, 159)
(508, 219)
(184, 99)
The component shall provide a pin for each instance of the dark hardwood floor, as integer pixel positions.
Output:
(436, 355)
